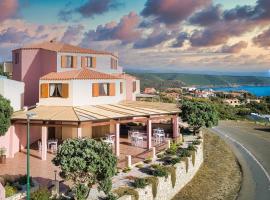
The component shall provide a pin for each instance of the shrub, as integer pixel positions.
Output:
(160, 171)
(140, 165)
(140, 183)
(127, 169)
(196, 142)
(184, 153)
(41, 194)
(173, 149)
(22, 180)
(191, 147)
(154, 182)
(161, 155)
(81, 191)
(10, 190)
(147, 160)
(126, 191)
(110, 196)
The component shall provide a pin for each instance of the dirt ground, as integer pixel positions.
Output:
(219, 177)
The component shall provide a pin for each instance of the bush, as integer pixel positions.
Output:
(41, 194)
(140, 183)
(160, 171)
(110, 196)
(147, 160)
(196, 142)
(140, 165)
(161, 155)
(191, 147)
(127, 169)
(184, 153)
(10, 190)
(22, 180)
(173, 149)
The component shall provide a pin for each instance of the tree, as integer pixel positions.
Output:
(86, 162)
(5, 114)
(199, 114)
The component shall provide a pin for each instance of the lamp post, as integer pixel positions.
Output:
(29, 115)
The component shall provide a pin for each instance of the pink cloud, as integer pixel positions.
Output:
(8, 9)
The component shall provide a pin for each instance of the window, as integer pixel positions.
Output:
(69, 61)
(104, 89)
(17, 58)
(134, 86)
(89, 61)
(121, 87)
(55, 90)
(113, 63)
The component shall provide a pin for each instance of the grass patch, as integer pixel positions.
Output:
(219, 176)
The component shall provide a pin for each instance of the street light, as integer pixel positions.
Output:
(29, 115)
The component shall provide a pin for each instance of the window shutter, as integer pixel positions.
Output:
(83, 62)
(65, 90)
(63, 61)
(112, 89)
(74, 61)
(121, 87)
(94, 62)
(44, 90)
(95, 90)
(134, 86)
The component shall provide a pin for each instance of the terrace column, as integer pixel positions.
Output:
(11, 142)
(149, 134)
(175, 122)
(79, 132)
(117, 139)
(44, 141)
(112, 126)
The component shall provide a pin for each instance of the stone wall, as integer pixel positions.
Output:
(185, 171)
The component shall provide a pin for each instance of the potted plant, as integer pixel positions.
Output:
(2, 155)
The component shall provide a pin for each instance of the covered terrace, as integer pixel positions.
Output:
(60, 122)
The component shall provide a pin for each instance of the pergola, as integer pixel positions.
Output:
(98, 115)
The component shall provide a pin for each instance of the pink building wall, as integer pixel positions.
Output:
(33, 63)
(15, 138)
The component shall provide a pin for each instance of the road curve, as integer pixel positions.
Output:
(251, 145)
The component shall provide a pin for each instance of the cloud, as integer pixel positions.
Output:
(219, 33)
(72, 33)
(235, 48)
(261, 11)
(8, 9)
(89, 9)
(183, 36)
(171, 11)
(126, 30)
(263, 39)
(12, 35)
(158, 36)
(207, 16)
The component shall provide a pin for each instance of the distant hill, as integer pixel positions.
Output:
(165, 80)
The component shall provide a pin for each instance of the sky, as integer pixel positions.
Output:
(217, 36)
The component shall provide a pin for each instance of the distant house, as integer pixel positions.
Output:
(204, 93)
(253, 100)
(189, 89)
(13, 91)
(232, 102)
(7, 67)
(150, 91)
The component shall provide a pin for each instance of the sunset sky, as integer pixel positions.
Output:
(159, 35)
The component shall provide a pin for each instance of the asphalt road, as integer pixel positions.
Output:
(251, 145)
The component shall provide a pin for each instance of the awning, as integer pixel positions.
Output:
(98, 112)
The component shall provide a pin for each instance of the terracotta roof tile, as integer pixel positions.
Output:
(62, 47)
(77, 74)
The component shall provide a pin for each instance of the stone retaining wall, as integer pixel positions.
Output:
(183, 175)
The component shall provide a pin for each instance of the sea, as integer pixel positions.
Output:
(259, 91)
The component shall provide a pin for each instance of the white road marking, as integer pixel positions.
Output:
(251, 155)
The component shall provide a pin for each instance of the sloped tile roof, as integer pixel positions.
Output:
(84, 73)
(62, 47)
